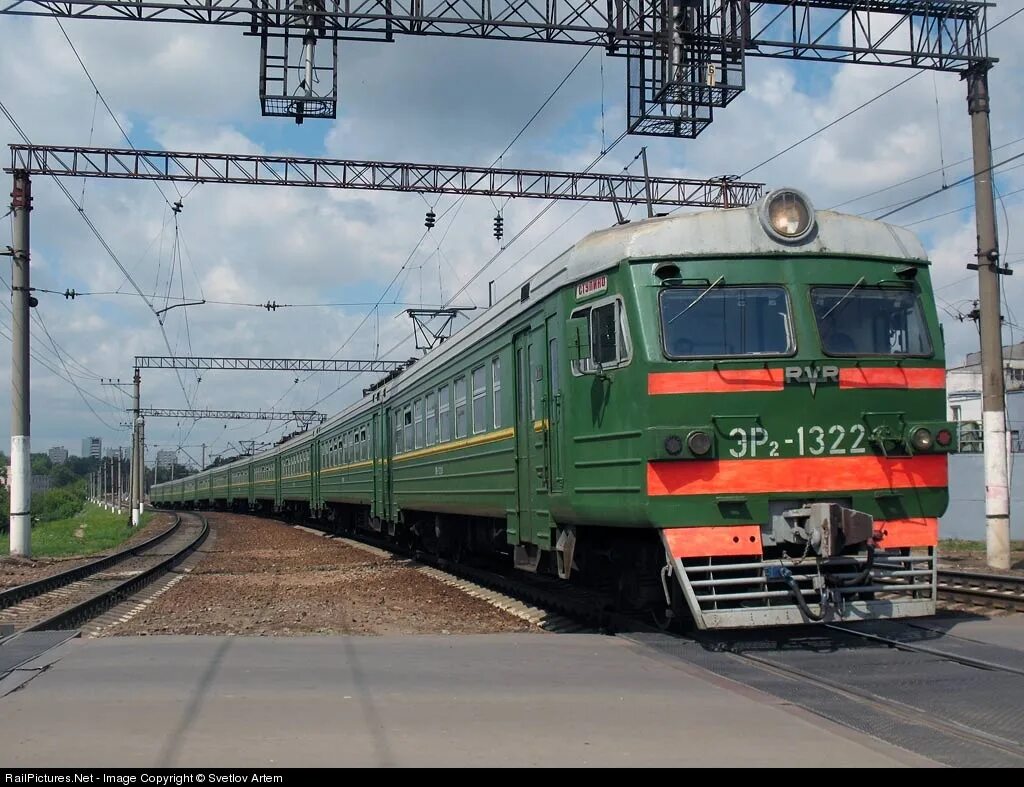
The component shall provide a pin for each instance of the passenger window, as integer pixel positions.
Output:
(444, 414)
(408, 429)
(418, 418)
(431, 419)
(496, 387)
(460, 408)
(399, 442)
(479, 400)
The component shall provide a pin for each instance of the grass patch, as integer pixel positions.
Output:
(960, 545)
(93, 529)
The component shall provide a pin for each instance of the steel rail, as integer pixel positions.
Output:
(912, 647)
(994, 590)
(101, 602)
(16, 595)
(887, 705)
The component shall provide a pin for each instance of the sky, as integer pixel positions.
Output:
(451, 101)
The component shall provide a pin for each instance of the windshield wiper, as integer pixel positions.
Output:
(848, 293)
(698, 299)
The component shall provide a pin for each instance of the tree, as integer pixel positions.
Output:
(41, 464)
(5, 507)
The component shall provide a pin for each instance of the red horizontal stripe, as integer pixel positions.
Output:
(920, 532)
(891, 377)
(714, 381)
(707, 541)
(804, 474)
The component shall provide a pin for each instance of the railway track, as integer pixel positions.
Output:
(988, 590)
(818, 685)
(587, 607)
(70, 598)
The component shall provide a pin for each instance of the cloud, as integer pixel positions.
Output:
(419, 99)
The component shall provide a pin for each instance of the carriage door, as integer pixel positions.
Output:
(380, 464)
(531, 485)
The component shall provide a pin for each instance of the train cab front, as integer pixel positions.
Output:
(797, 446)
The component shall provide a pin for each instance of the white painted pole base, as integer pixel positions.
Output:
(135, 517)
(997, 495)
(21, 496)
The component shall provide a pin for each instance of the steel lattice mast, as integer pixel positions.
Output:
(258, 170)
(268, 364)
(685, 58)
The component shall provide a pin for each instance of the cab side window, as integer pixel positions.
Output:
(610, 345)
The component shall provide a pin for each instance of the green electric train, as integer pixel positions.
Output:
(734, 416)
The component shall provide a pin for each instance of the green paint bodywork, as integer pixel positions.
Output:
(574, 448)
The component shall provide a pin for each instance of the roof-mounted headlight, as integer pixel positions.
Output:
(787, 215)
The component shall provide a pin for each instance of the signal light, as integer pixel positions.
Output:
(699, 442)
(922, 439)
(499, 226)
(429, 223)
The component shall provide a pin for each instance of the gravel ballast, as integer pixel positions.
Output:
(262, 577)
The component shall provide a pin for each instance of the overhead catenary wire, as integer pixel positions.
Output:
(832, 123)
(106, 106)
(70, 377)
(956, 210)
(456, 206)
(858, 108)
(45, 362)
(928, 195)
(914, 178)
(102, 241)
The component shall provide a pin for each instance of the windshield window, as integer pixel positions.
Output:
(718, 322)
(868, 321)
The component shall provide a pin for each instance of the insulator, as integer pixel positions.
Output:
(499, 226)
(429, 223)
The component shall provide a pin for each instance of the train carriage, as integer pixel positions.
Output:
(735, 416)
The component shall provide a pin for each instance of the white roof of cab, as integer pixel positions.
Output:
(738, 232)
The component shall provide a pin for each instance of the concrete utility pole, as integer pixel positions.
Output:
(142, 463)
(997, 498)
(136, 463)
(21, 297)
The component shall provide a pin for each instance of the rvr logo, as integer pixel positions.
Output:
(811, 375)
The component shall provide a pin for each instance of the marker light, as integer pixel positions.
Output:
(922, 439)
(787, 215)
(944, 438)
(673, 445)
(699, 443)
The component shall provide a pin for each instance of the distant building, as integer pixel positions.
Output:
(114, 453)
(166, 458)
(92, 447)
(58, 455)
(963, 398)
